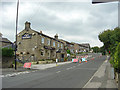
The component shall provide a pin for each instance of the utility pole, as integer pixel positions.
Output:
(16, 35)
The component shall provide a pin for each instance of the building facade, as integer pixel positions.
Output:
(75, 47)
(33, 45)
(4, 42)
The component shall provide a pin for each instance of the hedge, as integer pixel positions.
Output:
(7, 52)
(115, 61)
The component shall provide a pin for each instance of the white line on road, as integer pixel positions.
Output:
(2, 76)
(69, 68)
(73, 66)
(58, 71)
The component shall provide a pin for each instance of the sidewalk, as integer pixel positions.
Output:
(33, 68)
(45, 66)
(103, 78)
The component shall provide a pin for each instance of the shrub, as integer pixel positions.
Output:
(7, 52)
(116, 58)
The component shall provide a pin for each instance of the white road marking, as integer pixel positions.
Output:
(2, 76)
(14, 74)
(73, 66)
(69, 68)
(33, 71)
(58, 71)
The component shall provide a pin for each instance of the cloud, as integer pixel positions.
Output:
(73, 21)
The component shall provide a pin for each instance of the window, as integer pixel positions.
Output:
(61, 45)
(58, 44)
(71, 45)
(48, 42)
(54, 44)
(42, 40)
(42, 53)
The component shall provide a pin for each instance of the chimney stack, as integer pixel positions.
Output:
(0, 34)
(41, 32)
(27, 25)
(56, 36)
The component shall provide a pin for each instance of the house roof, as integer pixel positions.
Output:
(45, 35)
(5, 40)
(85, 45)
(66, 41)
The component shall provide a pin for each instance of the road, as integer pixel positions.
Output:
(72, 75)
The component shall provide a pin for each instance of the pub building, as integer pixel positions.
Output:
(33, 45)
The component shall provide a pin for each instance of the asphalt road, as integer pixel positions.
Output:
(73, 75)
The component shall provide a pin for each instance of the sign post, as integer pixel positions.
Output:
(56, 61)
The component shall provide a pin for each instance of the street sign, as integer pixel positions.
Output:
(74, 60)
(27, 65)
(83, 59)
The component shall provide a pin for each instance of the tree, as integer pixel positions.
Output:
(105, 38)
(68, 51)
(110, 38)
(102, 50)
(96, 49)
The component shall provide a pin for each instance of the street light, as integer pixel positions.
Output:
(16, 35)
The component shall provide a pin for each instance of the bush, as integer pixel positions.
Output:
(116, 58)
(7, 52)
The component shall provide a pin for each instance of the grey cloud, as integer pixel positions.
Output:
(44, 18)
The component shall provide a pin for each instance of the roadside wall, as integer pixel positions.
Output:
(7, 62)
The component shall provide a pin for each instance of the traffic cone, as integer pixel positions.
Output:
(79, 61)
(85, 60)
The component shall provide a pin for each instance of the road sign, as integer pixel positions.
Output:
(27, 65)
(83, 59)
(74, 60)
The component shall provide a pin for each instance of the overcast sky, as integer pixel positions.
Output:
(79, 22)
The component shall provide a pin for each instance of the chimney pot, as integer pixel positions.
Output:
(56, 36)
(27, 25)
(41, 32)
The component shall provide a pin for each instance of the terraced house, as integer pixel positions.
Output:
(33, 45)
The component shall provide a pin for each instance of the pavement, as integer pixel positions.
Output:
(45, 66)
(103, 77)
(7, 71)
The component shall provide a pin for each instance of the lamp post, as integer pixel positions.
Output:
(16, 35)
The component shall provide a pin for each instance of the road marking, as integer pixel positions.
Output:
(14, 74)
(33, 71)
(69, 68)
(73, 66)
(88, 68)
(58, 71)
(2, 76)
(80, 64)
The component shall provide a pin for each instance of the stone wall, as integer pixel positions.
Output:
(7, 61)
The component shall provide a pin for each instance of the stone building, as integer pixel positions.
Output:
(4, 42)
(75, 47)
(85, 47)
(33, 45)
(69, 46)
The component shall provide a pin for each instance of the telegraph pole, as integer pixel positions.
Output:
(16, 35)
